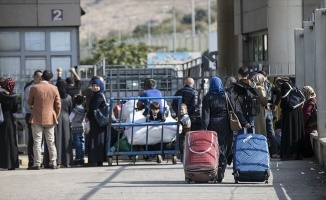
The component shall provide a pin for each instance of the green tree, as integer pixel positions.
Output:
(120, 54)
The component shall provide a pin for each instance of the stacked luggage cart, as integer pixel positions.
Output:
(131, 134)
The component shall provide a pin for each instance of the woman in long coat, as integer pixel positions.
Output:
(63, 136)
(308, 107)
(292, 141)
(8, 142)
(215, 118)
(97, 135)
(260, 120)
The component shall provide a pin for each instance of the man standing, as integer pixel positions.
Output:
(36, 79)
(241, 98)
(150, 90)
(274, 97)
(191, 98)
(73, 84)
(45, 101)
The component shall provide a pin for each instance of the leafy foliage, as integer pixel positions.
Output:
(120, 54)
(131, 54)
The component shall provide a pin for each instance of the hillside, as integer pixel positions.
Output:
(103, 16)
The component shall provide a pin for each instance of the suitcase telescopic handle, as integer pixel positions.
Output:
(200, 152)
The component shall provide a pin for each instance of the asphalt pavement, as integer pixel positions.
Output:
(149, 180)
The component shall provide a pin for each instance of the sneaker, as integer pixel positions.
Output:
(54, 167)
(79, 162)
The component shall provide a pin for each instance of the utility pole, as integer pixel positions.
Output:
(174, 28)
(209, 20)
(149, 34)
(193, 23)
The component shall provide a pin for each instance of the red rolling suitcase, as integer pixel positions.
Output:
(201, 154)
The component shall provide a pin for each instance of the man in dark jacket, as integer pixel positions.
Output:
(191, 98)
(73, 84)
(243, 84)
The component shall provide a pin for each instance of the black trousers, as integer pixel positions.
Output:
(30, 141)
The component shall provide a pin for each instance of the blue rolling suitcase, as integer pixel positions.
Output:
(251, 162)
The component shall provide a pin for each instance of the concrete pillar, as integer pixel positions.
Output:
(299, 56)
(283, 17)
(309, 53)
(227, 41)
(320, 28)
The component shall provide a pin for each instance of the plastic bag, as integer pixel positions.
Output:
(154, 132)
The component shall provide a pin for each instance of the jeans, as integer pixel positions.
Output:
(274, 146)
(79, 141)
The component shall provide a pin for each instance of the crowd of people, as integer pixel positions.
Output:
(288, 140)
(56, 115)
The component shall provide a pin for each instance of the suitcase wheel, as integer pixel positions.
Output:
(266, 176)
(236, 176)
(215, 180)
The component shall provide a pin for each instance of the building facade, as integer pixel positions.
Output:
(38, 34)
(260, 34)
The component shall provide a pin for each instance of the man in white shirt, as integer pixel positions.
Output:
(36, 79)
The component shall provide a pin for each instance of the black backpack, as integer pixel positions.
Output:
(251, 105)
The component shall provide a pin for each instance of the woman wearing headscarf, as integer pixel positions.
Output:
(8, 142)
(63, 136)
(229, 84)
(260, 120)
(215, 118)
(97, 135)
(292, 141)
(309, 106)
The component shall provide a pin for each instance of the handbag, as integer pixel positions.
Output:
(1, 115)
(295, 97)
(102, 114)
(233, 118)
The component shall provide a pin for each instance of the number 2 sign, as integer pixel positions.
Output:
(57, 15)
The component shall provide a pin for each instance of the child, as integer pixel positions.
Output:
(77, 121)
(186, 126)
(155, 114)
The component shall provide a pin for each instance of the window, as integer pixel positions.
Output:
(60, 41)
(10, 67)
(35, 41)
(265, 52)
(260, 48)
(61, 61)
(255, 48)
(9, 41)
(33, 64)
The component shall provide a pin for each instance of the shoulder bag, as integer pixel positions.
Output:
(102, 114)
(233, 118)
(295, 98)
